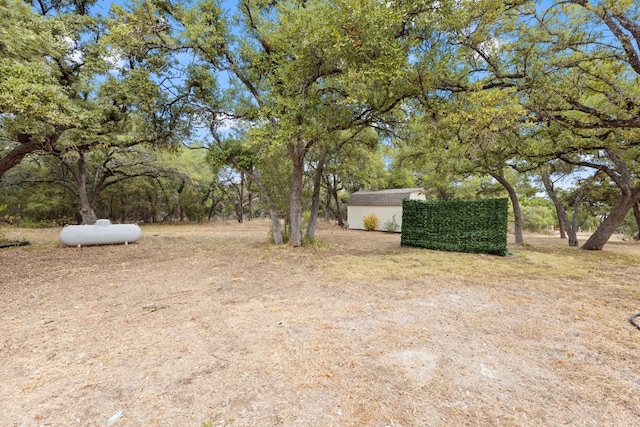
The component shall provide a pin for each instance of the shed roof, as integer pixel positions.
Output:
(392, 197)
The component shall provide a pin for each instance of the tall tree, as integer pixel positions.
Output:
(113, 84)
(584, 84)
(575, 67)
(477, 137)
(37, 65)
(350, 161)
(139, 92)
(309, 69)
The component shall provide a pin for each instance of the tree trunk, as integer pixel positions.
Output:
(334, 191)
(297, 152)
(167, 202)
(563, 218)
(276, 229)
(86, 208)
(327, 206)
(315, 197)
(153, 199)
(240, 204)
(249, 202)
(629, 196)
(573, 238)
(211, 210)
(561, 222)
(636, 214)
(517, 212)
(611, 223)
(181, 214)
(330, 184)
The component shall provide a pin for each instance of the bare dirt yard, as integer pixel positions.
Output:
(209, 325)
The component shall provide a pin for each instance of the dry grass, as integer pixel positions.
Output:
(210, 325)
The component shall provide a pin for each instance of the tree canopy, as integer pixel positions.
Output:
(309, 98)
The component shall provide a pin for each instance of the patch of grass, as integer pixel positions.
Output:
(378, 257)
(219, 420)
(6, 242)
(314, 242)
(382, 333)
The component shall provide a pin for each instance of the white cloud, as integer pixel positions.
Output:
(115, 60)
(227, 125)
(74, 53)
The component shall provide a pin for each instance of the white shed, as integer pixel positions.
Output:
(385, 204)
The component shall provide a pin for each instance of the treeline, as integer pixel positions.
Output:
(298, 103)
(172, 187)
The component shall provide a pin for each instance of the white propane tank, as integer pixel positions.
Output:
(101, 233)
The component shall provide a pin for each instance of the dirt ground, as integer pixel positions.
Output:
(209, 325)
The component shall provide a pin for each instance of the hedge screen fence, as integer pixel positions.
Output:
(478, 226)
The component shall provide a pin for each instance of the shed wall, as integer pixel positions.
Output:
(356, 214)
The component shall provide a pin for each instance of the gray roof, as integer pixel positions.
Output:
(392, 197)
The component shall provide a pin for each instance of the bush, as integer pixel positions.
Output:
(370, 222)
(392, 225)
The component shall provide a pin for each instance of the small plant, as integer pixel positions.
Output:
(315, 243)
(306, 217)
(392, 225)
(286, 232)
(370, 222)
(219, 421)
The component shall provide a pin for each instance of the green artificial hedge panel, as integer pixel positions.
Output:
(478, 226)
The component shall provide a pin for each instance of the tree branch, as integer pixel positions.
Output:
(611, 173)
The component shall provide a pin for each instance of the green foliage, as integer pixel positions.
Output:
(370, 222)
(456, 225)
(31, 198)
(461, 92)
(143, 185)
(392, 225)
(538, 218)
(306, 217)
(29, 84)
(302, 75)
(629, 226)
(6, 218)
(219, 420)
(314, 242)
(538, 214)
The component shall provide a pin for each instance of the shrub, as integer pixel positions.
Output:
(370, 222)
(392, 225)
(315, 243)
